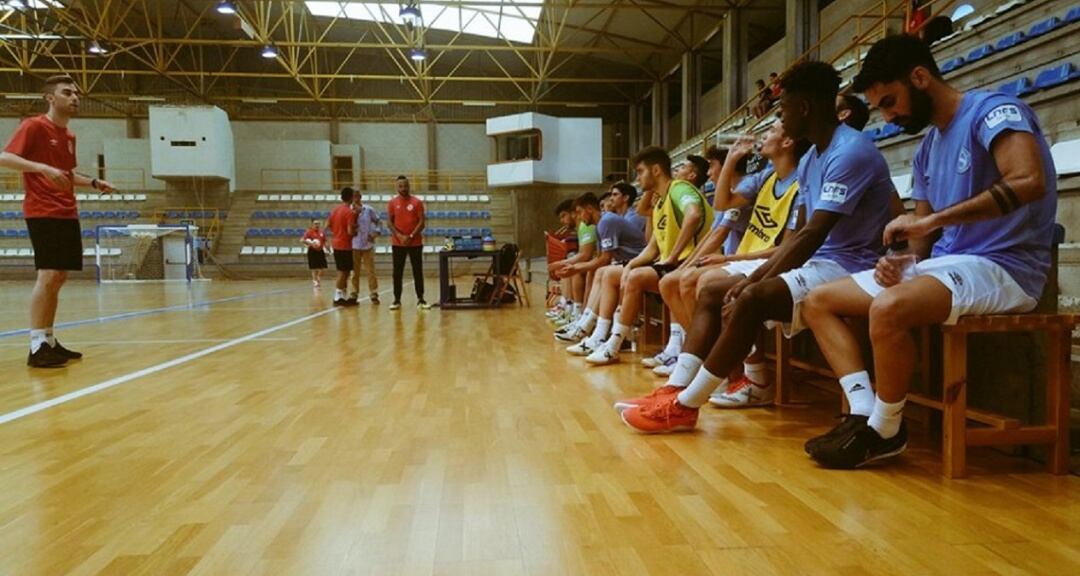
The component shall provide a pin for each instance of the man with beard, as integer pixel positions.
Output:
(985, 200)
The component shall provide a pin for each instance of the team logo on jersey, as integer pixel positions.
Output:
(661, 224)
(1003, 113)
(53, 142)
(765, 217)
(963, 162)
(732, 214)
(409, 207)
(607, 244)
(834, 192)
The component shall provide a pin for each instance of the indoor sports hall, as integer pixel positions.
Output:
(539, 287)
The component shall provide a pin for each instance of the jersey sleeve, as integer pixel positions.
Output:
(684, 195)
(751, 184)
(21, 139)
(608, 233)
(920, 179)
(586, 235)
(1001, 114)
(847, 175)
(793, 216)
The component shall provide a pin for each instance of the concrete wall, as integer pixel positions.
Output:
(283, 165)
(390, 147)
(712, 107)
(462, 147)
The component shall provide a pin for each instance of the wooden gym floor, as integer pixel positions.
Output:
(248, 428)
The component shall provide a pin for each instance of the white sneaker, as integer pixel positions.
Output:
(743, 393)
(720, 391)
(658, 360)
(603, 355)
(666, 368)
(570, 333)
(583, 348)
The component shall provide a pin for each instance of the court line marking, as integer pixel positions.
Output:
(137, 342)
(75, 395)
(147, 312)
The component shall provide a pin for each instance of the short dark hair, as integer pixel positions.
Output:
(653, 156)
(347, 194)
(772, 74)
(401, 177)
(860, 112)
(627, 190)
(50, 83)
(759, 82)
(564, 206)
(893, 58)
(701, 167)
(587, 200)
(937, 28)
(816, 80)
(716, 153)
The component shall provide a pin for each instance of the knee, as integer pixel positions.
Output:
(753, 298)
(688, 285)
(711, 294)
(52, 280)
(816, 305)
(886, 315)
(670, 285)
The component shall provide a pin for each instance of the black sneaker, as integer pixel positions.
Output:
(352, 301)
(849, 421)
(69, 354)
(45, 357)
(375, 299)
(339, 302)
(860, 446)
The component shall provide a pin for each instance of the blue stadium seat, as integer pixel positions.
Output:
(252, 232)
(84, 214)
(1055, 76)
(1073, 15)
(294, 215)
(1046, 26)
(9, 215)
(172, 214)
(11, 233)
(872, 132)
(979, 53)
(257, 215)
(277, 232)
(305, 214)
(87, 233)
(109, 215)
(1017, 87)
(1010, 41)
(475, 215)
(486, 232)
(485, 214)
(951, 64)
(24, 233)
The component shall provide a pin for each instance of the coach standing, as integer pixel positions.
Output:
(43, 149)
(406, 215)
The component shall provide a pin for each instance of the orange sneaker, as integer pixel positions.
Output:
(659, 393)
(661, 416)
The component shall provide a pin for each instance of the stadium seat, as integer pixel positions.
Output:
(23, 233)
(979, 53)
(260, 250)
(1055, 76)
(271, 250)
(1010, 41)
(1045, 27)
(1017, 87)
(1066, 156)
(140, 197)
(87, 233)
(485, 198)
(1073, 15)
(252, 232)
(23, 252)
(247, 250)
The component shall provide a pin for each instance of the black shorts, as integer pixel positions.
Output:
(662, 271)
(57, 243)
(316, 259)
(343, 260)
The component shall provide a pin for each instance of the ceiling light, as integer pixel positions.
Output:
(477, 103)
(418, 54)
(146, 99)
(96, 48)
(226, 7)
(580, 105)
(372, 101)
(14, 5)
(410, 14)
(30, 96)
(269, 51)
(259, 100)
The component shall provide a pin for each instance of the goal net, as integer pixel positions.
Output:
(145, 253)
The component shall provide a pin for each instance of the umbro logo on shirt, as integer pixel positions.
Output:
(957, 280)
(765, 217)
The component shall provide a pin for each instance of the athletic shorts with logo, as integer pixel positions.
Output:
(800, 281)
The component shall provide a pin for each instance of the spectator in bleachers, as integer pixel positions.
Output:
(985, 195)
(407, 220)
(764, 101)
(775, 89)
(681, 220)
(851, 110)
(936, 29)
(341, 225)
(43, 150)
(315, 241)
(847, 193)
(365, 231)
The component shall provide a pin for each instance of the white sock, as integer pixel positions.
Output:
(562, 301)
(339, 294)
(697, 393)
(49, 336)
(354, 295)
(37, 338)
(859, 392)
(686, 367)
(756, 373)
(886, 418)
(618, 334)
(575, 309)
(600, 333)
(675, 340)
(587, 321)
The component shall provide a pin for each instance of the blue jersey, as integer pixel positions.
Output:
(850, 177)
(636, 219)
(620, 236)
(954, 165)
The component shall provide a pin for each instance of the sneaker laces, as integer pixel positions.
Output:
(739, 385)
(661, 410)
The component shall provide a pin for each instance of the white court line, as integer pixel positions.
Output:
(149, 342)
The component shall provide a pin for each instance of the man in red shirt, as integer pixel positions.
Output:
(341, 229)
(43, 149)
(406, 215)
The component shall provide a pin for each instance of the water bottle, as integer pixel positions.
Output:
(900, 255)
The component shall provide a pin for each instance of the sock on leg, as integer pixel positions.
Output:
(686, 367)
(37, 338)
(859, 392)
(675, 340)
(339, 294)
(755, 372)
(575, 309)
(587, 321)
(697, 393)
(886, 418)
(49, 337)
(603, 325)
(618, 334)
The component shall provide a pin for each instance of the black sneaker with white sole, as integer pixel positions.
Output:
(849, 421)
(69, 354)
(45, 357)
(859, 447)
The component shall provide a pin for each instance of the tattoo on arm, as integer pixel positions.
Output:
(1005, 197)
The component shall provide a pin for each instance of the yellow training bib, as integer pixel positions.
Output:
(668, 218)
(769, 218)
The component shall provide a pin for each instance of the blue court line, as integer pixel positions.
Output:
(147, 312)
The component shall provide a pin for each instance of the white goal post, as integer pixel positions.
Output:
(145, 253)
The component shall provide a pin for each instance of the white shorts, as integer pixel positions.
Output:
(743, 267)
(800, 281)
(978, 285)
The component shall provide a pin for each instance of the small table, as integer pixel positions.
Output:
(448, 298)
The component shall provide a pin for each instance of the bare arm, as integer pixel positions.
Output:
(19, 164)
(800, 248)
(692, 216)
(591, 265)
(646, 257)
(729, 175)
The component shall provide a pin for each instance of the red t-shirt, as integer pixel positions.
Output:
(39, 140)
(339, 222)
(405, 213)
(312, 234)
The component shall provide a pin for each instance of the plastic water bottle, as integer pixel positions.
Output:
(900, 255)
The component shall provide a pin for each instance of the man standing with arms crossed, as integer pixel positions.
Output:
(365, 231)
(43, 149)
(406, 216)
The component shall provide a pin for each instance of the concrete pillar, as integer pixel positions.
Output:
(659, 114)
(735, 59)
(691, 96)
(803, 26)
(335, 131)
(433, 152)
(633, 128)
(134, 129)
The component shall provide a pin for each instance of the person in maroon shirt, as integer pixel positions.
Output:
(43, 150)
(315, 241)
(406, 218)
